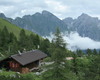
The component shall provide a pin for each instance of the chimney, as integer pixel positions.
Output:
(19, 53)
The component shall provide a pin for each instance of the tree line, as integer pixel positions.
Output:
(10, 44)
(83, 66)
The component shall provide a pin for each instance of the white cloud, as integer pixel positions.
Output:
(57, 6)
(61, 8)
(75, 41)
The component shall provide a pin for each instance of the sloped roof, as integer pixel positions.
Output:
(28, 57)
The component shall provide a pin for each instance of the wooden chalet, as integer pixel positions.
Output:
(23, 62)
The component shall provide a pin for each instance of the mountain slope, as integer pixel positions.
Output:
(45, 22)
(11, 27)
(85, 25)
(41, 23)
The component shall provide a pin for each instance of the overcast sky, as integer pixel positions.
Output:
(61, 8)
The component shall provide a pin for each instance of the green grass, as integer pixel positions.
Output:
(5, 73)
(11, 27)
(9, 75)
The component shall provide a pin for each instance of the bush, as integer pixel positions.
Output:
(15, 76)
(48, 59)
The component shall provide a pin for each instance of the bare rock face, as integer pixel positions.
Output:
(46, 22)
(85, 25)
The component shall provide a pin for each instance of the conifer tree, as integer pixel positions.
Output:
(36, 41)
(75, 66)
(45, 44)
(22, 39)
(13, 45)
(31, 42)
(95, 52)
(79, 53)
(4, 38)
(0, 38)
(56, 70)
(89, 52)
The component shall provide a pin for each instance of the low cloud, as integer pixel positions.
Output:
(75, 41)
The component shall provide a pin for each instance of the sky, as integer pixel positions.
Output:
(60, 8)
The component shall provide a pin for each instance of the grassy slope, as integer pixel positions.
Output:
(11, 27)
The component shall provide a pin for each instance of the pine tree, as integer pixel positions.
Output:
(36, 41)
(13, 46)
(31, 42)
(94, 73)
(75, 66)
(57, 68)
(4, 37)
(23, 39)
(45, 44)
(79, 53)
(89, 52)
(0, 39)
(95, 52)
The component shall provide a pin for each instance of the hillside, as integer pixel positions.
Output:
(40, 23)
(85, 25)
(11, 27)
(14, 39)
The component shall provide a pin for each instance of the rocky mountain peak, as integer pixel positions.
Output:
(84, 16)
(2, 15)
(37, 14)
(44, 12)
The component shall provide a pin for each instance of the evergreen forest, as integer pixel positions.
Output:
(81, 66)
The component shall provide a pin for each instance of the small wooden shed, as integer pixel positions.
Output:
(23, 62)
